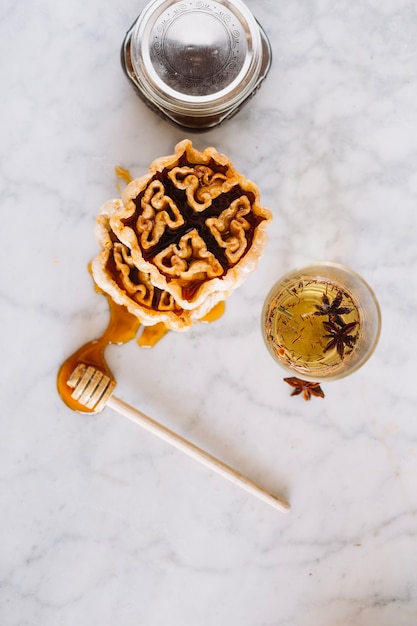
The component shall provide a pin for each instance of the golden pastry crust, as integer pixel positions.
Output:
(181, 238)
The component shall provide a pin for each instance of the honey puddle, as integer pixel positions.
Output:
(122, 328)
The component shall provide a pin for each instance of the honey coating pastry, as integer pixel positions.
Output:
(180, 238)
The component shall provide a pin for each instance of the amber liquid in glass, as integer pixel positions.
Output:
(296, 329)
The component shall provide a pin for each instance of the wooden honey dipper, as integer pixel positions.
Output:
(93, 390)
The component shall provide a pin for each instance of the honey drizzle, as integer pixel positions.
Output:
(215, 313)
(152, 334)
(122, 327)
(124, 175)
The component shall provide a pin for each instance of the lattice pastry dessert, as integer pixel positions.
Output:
(180, 238)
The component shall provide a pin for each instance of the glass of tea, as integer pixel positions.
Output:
(321, 322)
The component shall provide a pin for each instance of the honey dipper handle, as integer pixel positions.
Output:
(196, 453)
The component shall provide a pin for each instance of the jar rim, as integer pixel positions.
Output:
(164, 87)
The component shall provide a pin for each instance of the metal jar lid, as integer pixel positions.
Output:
(196, 61)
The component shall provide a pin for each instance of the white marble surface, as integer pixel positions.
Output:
(101, 523)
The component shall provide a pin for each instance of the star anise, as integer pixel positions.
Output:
(333, 309)
(307, 389)
(340, 337)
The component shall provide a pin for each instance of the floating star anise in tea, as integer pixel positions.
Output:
(340, 337)
(333, 309)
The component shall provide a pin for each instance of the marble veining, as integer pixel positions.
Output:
(101, 522)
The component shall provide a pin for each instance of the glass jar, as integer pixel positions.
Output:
(196, 62)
